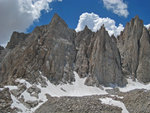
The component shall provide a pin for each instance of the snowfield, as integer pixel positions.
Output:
(132, 85)
(77, 88)
(112, 102)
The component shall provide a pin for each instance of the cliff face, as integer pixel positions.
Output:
(84, 42)
(51, 51)
(1, 48)
(55, 51)
(133, 44)
(105, 62)
(98, 58)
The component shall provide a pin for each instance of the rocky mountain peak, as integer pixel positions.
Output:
(136, 18)
(103, 26)
(86, 28)
(57, 21)
(130, 44)
(114, 39)
(102, 31)
(1, 47)
(135, 24)
(102, 70)
(15, 39)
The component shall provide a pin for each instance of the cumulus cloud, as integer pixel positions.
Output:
(117, 6)
(18, 15)
(94, 22)
(147, 26)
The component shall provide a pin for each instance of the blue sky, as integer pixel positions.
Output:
(25, 15)
(70, 10)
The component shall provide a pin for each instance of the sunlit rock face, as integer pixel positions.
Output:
(105, 62)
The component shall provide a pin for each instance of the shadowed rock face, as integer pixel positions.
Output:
(1, 48)
(143, 70)
(133, 44)
(84, 42)
(128, 44)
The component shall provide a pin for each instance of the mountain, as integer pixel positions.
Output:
(134, 47)
(56, 51)
(1, 48)
(55, 60)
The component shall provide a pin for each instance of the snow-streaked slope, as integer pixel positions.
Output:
(112, 102)
(80, 89)
(77, 88)
(17, 104)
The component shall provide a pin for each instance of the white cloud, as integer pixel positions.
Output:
(147, 26)
(94, 22)
(18, 15)
(117, 6)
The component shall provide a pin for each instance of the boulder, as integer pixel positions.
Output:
(34, 91)
(19, 91)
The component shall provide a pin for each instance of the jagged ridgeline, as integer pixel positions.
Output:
(56, 51)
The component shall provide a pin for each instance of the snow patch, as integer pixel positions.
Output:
(1, 89)
(11, 87)
(112, 102)
(27, 96)
(132, 85)
(77, 88)
(17, 104)
(120, 97)
(147, 26)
